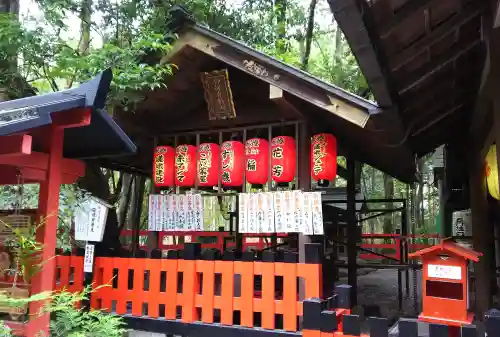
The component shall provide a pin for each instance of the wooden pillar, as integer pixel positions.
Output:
(48, 207)
(304, 175)
(352, 231)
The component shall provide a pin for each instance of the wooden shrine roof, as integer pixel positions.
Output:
(448, 245)
(101, 138)
(264, 90)
(425, 58)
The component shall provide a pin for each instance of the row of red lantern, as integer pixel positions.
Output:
(177, 167)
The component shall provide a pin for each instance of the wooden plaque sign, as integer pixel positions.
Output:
(218, 95)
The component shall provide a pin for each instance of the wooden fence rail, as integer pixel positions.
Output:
(202, 288)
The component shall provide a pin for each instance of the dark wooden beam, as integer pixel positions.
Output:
(429, 69)
(437, 119)
(470, 11)
(288, 110)
(403, 13)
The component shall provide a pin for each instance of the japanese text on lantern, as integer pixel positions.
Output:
(252, 148)
(277, 153)
(205, 162)
(181, 162)
(227, 157)
(160, 165)
(319, 146)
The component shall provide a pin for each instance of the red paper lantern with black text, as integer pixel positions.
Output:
(283, 159)
(163, 166)
(233, 163)
(323, 157)
(208, 165)
(185, 165)
(257, 161)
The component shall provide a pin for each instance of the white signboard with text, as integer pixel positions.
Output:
(90, 220)
(444, 272)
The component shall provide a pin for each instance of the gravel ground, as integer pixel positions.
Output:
(378, 294)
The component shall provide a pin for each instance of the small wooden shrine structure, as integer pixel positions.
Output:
(44, 139)
(224, 91)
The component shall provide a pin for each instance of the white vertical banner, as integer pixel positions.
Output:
(242, 212)
(198, 212)
(297, 211)
(158, 212)
(289, 208)
(181, 213)
(88, 260)
(164, 212)
(252, 213)
(190, 225)
(317, 213)
(269, 202)
(307, 214)
(279, 213)
(152, 215)
(169, 221)
(261, 213)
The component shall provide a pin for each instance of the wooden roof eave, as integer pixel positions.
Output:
(349, 17)
(337, 101)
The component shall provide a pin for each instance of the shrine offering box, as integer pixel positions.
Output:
(445, 283)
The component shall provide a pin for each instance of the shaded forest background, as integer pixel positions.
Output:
(41, 51)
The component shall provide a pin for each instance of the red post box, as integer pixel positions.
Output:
(445, 283)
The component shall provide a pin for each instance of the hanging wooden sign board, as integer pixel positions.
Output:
(218, 95)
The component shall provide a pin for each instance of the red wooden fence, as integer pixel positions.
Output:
(157, 285)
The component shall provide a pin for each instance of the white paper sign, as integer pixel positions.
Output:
(242, 212)
(88, 260)
(190, 225)
(270, 212)
(181, 224)
(317, 213)
(279, 213)
(151, 214)
(198, 212)
(170, 217)
(289, 209)
(262, 219)
(90, 220)
(307, 214)
(297, 211)
(445, 272)
(164, 212)
(252, 213)
(157, 212)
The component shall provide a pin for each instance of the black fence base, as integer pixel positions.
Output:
(198, 329)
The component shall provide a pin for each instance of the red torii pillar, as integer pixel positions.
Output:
(16, 152)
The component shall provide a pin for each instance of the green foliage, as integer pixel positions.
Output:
(68, 321)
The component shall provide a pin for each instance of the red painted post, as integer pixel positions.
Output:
(48, 206)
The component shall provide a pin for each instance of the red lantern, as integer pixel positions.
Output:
(208, 164)
(163, 166)
(185, 165)
(257, 154)
(283, 159)
(323, 157)
(233, 161)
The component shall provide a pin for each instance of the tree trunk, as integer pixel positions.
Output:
(124, 198)
(338, 46)
(309, 34)
(388, 194)
(280, 10)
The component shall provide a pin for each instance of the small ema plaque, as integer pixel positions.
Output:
(218, 95)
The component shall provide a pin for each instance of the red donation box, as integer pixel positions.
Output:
(445, 283)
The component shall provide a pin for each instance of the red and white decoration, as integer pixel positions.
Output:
(257, 161)
(323, 157)
(208, 165)
(283, 159)
(185, 165)
(163, 166)
(232, 161)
